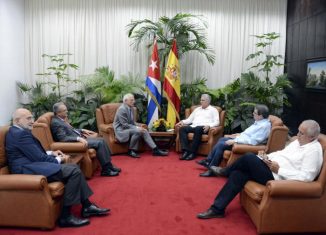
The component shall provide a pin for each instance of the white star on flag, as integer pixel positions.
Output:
(153, 65)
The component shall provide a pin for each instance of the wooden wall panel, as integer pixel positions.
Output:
(306, 39)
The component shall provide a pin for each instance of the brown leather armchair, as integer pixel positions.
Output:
(27, 200)
(208, 140)
(276, 141)
(105, 117)
(42, 131)
(284, 206)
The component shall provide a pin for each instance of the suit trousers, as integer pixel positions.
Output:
(102, 151)
(183, 132)
(248, 167)
(76, 187)
(215, 157)
(135, 137)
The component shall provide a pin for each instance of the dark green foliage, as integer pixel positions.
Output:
(187, 29)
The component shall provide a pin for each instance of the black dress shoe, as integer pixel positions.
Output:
(72, 221)
(133, 154)
(117, 169)
(184, 155)
(209, 214)
(109, 172)
(161, 153)
(94, 210)
(190, 157)
(206, 174)
(218, 171)
(203, 163)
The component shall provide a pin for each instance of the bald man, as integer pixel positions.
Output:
(26, 155)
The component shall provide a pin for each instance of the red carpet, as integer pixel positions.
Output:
(155, 196)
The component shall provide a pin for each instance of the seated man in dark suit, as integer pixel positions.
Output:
(26, 155)
(127, 130)
(301, 160)
(62, 131)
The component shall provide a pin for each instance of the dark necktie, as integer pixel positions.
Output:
(131, 115)
(75, 130)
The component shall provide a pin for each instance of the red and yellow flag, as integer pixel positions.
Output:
(171, 86)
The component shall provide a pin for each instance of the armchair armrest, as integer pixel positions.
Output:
(215, 130)
(294, 189)
(22, 182)
(68, 147)
(245, 148)
(143, 125)
(106, 128)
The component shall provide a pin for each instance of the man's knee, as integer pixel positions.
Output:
(249, 157)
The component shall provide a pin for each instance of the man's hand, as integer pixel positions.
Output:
(206, 129)
(179, 124)
(273, 166)
(142, 129)
(65, 158)
(57, 153)
(232, 135)
(83, 141)
(89, 133)
(229, 142)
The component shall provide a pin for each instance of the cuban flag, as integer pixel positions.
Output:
(153, 87)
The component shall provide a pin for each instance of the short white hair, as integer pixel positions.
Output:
(127, 96)
(313, 128)
(207, 97)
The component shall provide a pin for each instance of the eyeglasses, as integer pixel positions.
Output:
(255, 113)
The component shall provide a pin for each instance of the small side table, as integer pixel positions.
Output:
(164, 139)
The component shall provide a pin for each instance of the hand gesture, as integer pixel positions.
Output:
(83, 141)
(206, 129)
(229, 142)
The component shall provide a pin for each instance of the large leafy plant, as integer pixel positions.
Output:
(48, 89)
(187, 29)
(250, 89)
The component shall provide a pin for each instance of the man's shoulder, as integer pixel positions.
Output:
(15, 133)
(56, 121)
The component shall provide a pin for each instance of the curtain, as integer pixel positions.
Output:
(94, 32)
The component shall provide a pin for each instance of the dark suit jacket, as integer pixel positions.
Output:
(63, 132)
(26, 155)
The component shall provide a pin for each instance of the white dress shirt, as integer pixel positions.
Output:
(203, 117)
(297, 162)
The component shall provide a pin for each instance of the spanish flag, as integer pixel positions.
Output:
(171, 86)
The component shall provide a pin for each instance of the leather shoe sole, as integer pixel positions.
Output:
(190, 157)
(116, 169)
(210, 214)
(93, 210)
(133, 154)
(72, 221)
(109, 173)
(206, 174)
(184, 156)
(160, 153)
(218, 171)
(202, 163)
